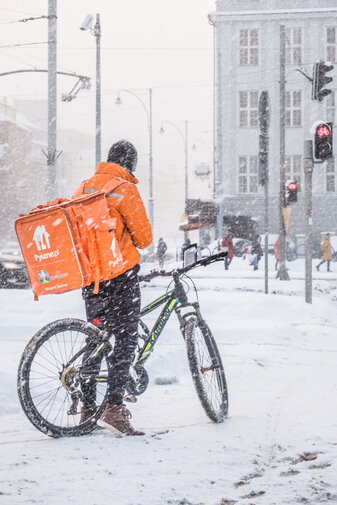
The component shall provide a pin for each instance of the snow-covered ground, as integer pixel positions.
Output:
(278, 445)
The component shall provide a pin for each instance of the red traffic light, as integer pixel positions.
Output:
(292, 186)
(323, 131)
(323, 140)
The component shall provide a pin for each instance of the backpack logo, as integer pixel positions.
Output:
(41, 238)
(113, 248)
(116, 254)
(43, 277)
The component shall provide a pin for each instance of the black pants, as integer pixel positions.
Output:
(117, 305)
(327, 264)
(161, 261)
(227, 262)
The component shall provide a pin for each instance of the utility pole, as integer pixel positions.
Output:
(308, 165)
(148, 112)
(186, 175)
(151, 216)
(264, 122)
(51, 189)
(219, 176)
(97, 34)
(282, 273)
(217, 128)
(215, 161)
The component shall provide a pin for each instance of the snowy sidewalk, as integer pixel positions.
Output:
(278, 445)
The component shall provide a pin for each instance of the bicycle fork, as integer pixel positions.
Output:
(182, 318)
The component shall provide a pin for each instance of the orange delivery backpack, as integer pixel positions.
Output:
(69, 244)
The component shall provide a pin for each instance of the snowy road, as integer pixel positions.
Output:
(278, 445)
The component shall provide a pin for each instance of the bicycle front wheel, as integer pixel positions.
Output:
(207, 369)
(52, 380)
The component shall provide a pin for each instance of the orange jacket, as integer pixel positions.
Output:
(133, 226)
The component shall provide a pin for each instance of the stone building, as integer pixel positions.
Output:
(22, 168)
(23, 165)
(247, 56)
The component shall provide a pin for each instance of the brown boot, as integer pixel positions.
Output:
(86, 414)
(116, 418)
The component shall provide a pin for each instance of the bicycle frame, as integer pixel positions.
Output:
(171, 302)
(171, 299)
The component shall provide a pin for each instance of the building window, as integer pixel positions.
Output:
(248, 102)
(330, 176)
(293, 108)
(331, 44)
(249, 46)
(294, 46)
(330, 108)
(293, 169)
(247, 174)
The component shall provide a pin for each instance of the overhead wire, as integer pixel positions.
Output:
(17, 59)
(24, 20)
(24, 44)
(18, 11)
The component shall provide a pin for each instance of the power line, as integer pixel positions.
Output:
(17, 59)
(15, 10)
(142, 48)
(28, 55)
(24, 20)
(25, 44)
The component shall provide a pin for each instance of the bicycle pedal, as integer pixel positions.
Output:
(130, 398)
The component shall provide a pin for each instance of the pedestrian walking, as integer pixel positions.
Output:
(227, 246)
(277, 252)
(326, 252)
(160, 251)
(256, 252)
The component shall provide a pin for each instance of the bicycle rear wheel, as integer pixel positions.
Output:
(49, 378)
(207, 369)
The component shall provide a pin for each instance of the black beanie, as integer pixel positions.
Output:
(123, 153)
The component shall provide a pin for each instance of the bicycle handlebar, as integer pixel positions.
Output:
(203, 262)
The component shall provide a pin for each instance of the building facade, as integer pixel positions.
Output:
(21, 168)
(247, 60)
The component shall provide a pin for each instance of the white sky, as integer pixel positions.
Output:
(164, 45)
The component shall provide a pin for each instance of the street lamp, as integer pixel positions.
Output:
(195, 147)
(202, 170)
(148, 112)
(185, 141)
(96, 32)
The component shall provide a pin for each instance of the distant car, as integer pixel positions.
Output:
(13, 273)
(241, 246)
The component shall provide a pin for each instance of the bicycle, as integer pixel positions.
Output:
(67, 358)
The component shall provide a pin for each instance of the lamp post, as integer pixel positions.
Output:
(96, 31)
(148, 112)
(185, 141)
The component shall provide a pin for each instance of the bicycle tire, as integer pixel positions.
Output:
(207, 369)
(44, 398)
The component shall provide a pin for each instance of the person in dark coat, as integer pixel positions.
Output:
(227, 246)
(160, 251)
(256, 251)
(277, 252)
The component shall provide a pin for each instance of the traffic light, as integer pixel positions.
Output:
(323, 141)
(290, 193)
(319, 80)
